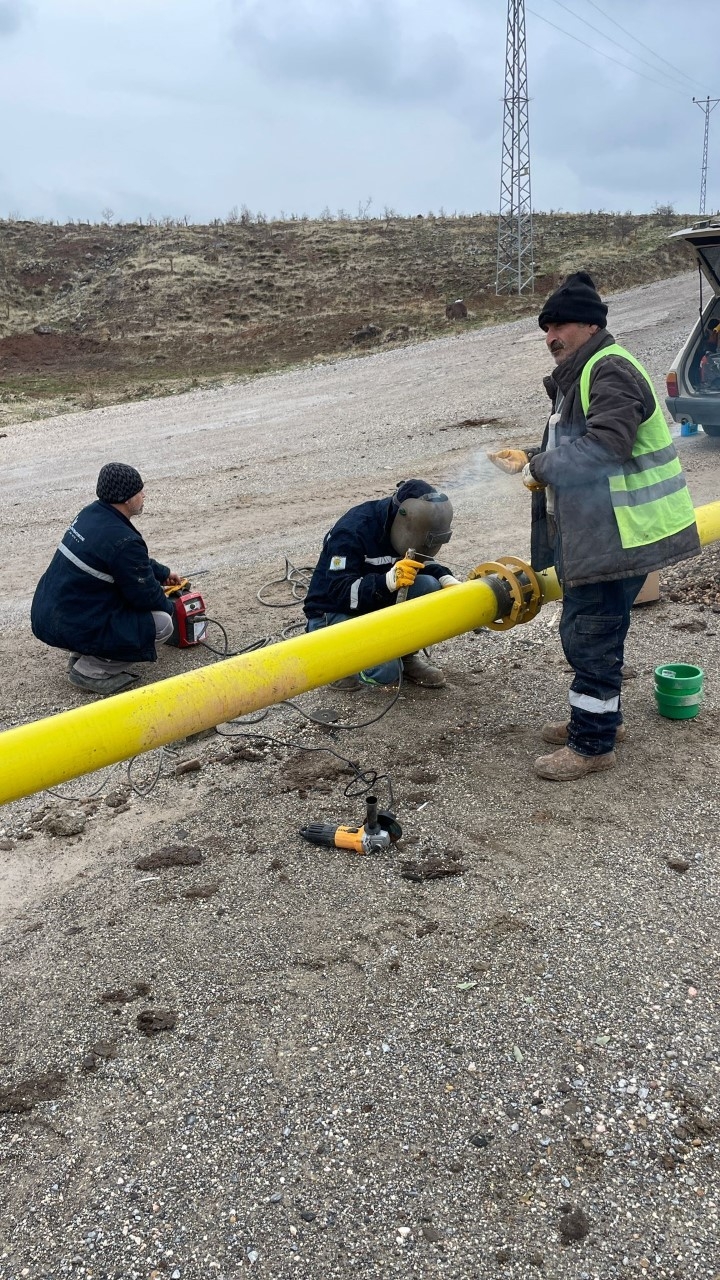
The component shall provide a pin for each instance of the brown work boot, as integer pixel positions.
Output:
(418, 670)
(557, 734)
(566, 765)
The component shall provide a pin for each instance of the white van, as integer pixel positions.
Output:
(693, 384)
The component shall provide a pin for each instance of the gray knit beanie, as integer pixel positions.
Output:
(118, 482)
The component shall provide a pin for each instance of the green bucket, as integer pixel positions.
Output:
(678, 690)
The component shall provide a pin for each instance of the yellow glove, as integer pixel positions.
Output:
(511, 461)
(403, 574)
(529, 480)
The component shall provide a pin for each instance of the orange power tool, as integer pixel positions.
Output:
(380, 829)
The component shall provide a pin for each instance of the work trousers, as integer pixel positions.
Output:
(594, 624)
(386, 672)
(87, 665)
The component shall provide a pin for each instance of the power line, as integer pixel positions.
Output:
(611, 40)
(659, 56)
(603, 54)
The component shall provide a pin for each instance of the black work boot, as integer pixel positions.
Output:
(102, 685)
(348, 684)
(418, 670)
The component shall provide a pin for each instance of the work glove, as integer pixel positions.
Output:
(403, 574)
(449, 580)
(511, 461)
(529, 480)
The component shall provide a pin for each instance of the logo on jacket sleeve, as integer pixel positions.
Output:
(338, 562)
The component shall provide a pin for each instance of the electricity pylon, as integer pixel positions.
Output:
(515, 264)
(706, 105)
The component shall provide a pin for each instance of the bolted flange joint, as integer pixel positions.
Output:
(516, 588)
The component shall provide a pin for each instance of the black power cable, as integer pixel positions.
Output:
(364, 781)
(227, 652)
(299, 579)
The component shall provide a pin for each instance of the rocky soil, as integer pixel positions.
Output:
(225, 1051)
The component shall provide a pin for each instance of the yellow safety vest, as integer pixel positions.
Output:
(650, 498)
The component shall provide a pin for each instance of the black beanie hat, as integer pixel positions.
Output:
(576, 300)
(117, 482)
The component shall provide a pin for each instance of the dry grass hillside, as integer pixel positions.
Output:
(96, 314)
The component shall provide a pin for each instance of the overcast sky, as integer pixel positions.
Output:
(191, 107)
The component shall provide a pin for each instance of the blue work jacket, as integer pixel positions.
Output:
(99, 591)
(357, 552)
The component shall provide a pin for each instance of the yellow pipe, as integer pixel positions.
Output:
(707, 519)
(48, 752)
(708, 522)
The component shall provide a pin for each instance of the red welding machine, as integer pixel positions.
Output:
(189, 619)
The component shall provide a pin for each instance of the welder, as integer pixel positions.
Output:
(377, 553)
(102, 595)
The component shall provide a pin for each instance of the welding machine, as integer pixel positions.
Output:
(189, 618)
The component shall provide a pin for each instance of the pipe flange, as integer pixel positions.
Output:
(521, 585)
(530, 585)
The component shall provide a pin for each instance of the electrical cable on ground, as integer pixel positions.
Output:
(367, 778)
(141, 790)
(299, 578)
(227, 652)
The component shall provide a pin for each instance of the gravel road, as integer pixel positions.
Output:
(266, 1058)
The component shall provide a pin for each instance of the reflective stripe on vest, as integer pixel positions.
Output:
(650, 498)
(86, 568)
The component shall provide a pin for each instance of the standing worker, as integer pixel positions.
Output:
(101, 595)
(367, 559)
(609, 505)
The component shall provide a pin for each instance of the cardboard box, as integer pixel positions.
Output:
(650, 590)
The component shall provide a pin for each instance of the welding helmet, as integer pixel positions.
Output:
(421, 519)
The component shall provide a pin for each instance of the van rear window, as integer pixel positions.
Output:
(709, 251)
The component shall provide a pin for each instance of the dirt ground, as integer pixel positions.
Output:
(99, 315)
(271, 1058)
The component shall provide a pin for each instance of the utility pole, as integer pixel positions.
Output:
(515, 264)
(706, 105)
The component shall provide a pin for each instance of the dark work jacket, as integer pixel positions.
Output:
(582, 539)
(357, 552)
(98, 599)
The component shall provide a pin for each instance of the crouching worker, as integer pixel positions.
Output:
(365, 562)
(101, 596)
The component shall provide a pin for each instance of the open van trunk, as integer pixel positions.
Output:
(693, 385)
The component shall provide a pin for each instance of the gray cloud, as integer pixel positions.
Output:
(194, 106)
(366, 47)
(12, 15)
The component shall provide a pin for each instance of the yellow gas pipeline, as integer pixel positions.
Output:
(48, 752)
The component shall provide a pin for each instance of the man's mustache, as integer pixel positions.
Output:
(557, 344)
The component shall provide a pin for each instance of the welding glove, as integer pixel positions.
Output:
(511, 461)
(449, 580)
(403, 574)
(529, 480)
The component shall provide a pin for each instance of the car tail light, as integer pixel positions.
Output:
(671, 382)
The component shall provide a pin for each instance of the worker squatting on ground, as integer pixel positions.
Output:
(101, 596)
(365, 562)
(609, 505)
